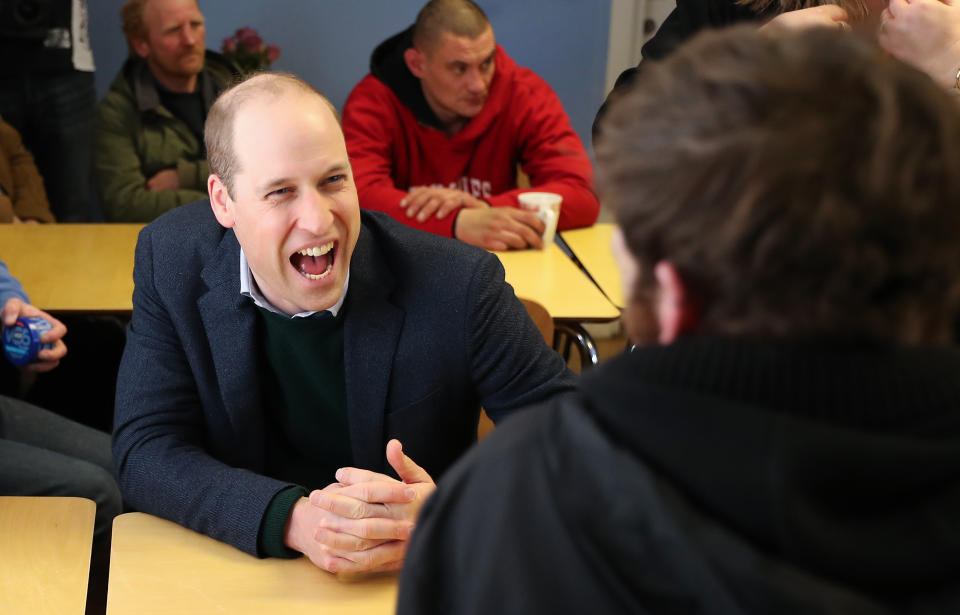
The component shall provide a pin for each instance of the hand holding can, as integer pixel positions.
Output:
(21, 341)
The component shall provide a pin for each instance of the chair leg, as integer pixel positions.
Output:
(569, 333)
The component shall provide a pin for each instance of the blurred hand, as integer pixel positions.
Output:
(167, 179)
(424, 202)
(47, 359)
(499, 228)
(925, 34)
(824, 16)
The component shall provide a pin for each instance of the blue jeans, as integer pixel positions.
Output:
(53, 112)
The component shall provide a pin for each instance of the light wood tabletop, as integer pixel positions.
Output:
(551, 279)
(592, 248)
(89, 268)
(158, 567)
(45, 554)
(73, 267)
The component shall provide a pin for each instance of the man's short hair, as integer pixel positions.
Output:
(131, 15)
(802, 185)
(218, 129)
(855, 8)
(458, 17)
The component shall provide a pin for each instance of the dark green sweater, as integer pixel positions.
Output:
(305, 406)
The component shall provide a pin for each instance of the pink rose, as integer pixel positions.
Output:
(273, 52)
(245, 31)
(229, 45)
(251, 42)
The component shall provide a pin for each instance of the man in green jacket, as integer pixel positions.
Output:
(149, 155)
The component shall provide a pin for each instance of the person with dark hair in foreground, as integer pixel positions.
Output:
(786, 436)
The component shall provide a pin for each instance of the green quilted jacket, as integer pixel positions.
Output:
(136, 137)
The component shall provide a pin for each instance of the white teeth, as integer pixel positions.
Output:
(317, 250)
(320, 276)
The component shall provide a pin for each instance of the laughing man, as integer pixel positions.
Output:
(284, 344)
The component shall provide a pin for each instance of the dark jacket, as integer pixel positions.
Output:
(710, 476)
(431, 332)
(135, 137)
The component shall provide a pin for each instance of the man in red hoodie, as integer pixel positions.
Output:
(436, 130)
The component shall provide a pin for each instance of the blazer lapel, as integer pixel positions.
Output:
(371, 333)
(230, 323)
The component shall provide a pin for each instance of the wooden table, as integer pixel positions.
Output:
(73, 267)
(591, 246)
(552, 280)
(89, 268)
(45, 554)
(158, 567)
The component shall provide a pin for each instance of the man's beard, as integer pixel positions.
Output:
(177, 66)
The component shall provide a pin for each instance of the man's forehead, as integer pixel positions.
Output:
(295, 124)
(159, 12)
(455, 48)
(281, 102)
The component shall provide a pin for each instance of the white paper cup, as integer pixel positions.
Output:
(546, 205)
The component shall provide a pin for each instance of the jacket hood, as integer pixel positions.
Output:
(845, 462)
(388, 65)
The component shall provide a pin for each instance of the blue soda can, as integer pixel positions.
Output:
(21, 342)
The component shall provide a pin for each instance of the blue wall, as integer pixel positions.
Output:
(328, 43)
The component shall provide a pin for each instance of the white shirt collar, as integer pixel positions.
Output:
(248, 288)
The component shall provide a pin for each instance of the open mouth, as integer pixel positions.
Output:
(316, 262)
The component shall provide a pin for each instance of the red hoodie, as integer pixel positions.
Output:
(392, 148)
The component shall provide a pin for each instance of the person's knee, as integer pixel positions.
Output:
(98, 485)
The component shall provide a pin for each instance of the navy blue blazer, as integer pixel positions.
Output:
(431, 332)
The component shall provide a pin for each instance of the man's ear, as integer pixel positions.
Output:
(675, 310)
(220, 201)
(414, 59)
(140, 46)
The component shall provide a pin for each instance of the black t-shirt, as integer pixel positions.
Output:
(188, 108)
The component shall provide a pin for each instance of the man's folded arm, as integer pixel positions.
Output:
(120, 179)
(193, 174)
(370, 145)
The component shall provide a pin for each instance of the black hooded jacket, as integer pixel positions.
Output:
(711, 476)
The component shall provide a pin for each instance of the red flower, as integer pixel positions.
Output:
(273, 52)
(248, 50)
(251, 40)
